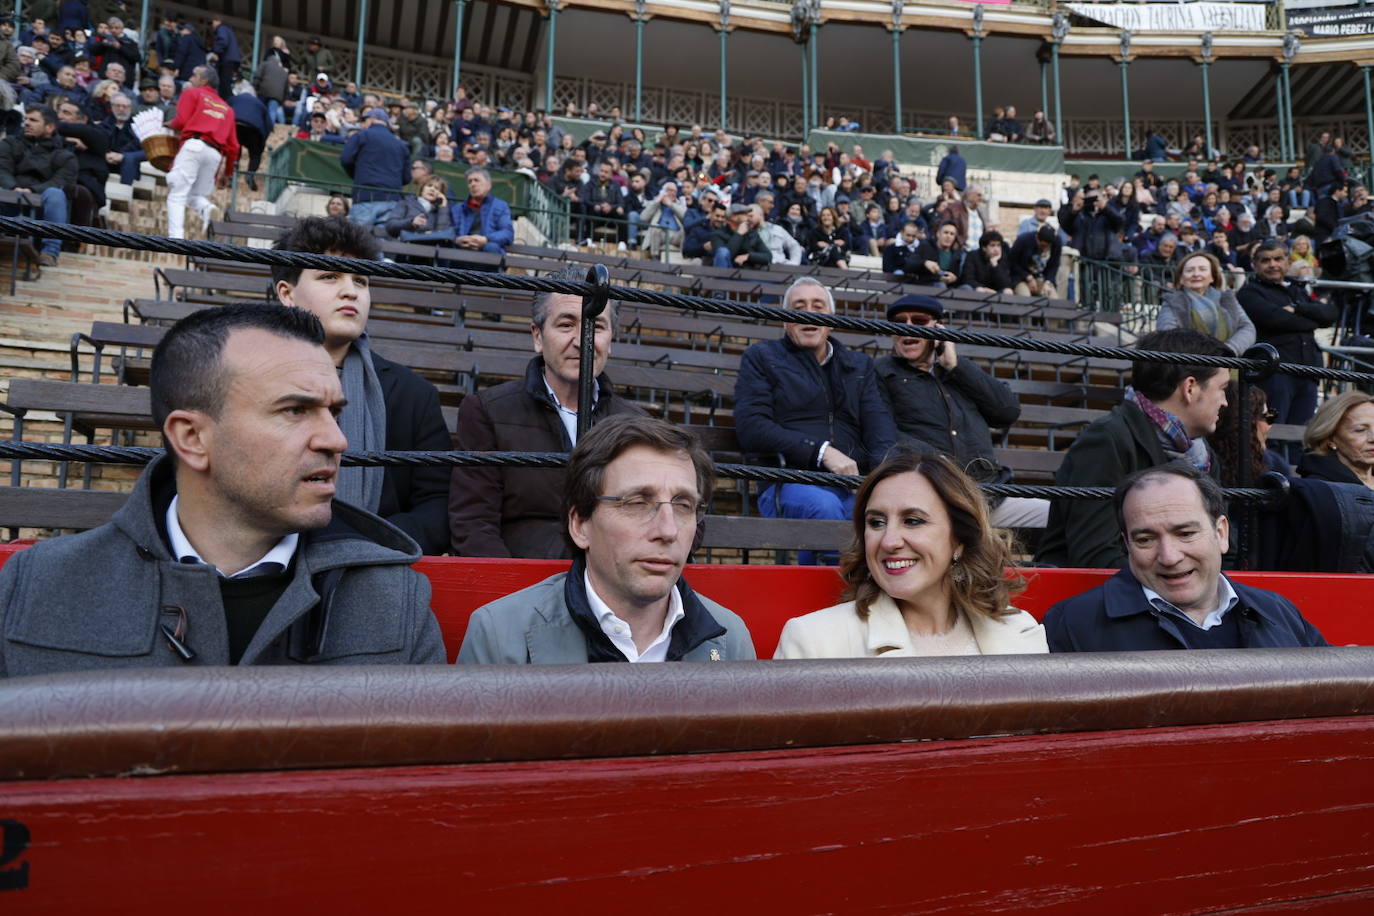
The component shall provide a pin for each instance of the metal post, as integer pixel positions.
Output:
(1126, 90)
(1290, 128)
(1058, 104)
(977, 35)
(639, 60)
(815, 70)
(143, 21)
(1206, 63)
(257, 35)
(897, 9)
(459, 8)
(592, 306)
(548, 64)
(1059, 30)
(897, 78)
(362, 41)
(806, 92)
(1206, 105)
(977, 87)
(1278, 114)
(724, 55)
(1368, 105)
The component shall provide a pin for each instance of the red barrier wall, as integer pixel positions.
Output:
(1273, 816)
(1342, 606)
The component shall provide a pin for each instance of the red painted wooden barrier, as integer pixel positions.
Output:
(1208, 819)
(1342, 606)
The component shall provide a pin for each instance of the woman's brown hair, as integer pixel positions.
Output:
(983, 585)
(1211, 262)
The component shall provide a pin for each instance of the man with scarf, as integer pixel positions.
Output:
(1164, 417)
(389, 406)
(635, 495)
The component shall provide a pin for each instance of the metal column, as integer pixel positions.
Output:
(639, 60)
(977, 36)
(257, 37)
(1288, 111)
(1278, 114)
(1045, 88)
(724, 57)
(143, 18)
(815, 67)
(1206, 105)
(897, 78)
(1059, 30)
(459, 8)
(806, 92)
(1368, 106)
(362, 40)
(1126, 90)
(1206, 63)
(553, 40)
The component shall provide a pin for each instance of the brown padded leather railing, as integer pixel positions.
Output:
(191, 720)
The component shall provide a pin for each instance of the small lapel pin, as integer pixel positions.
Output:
(715, 655)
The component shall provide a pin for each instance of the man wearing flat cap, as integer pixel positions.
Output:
(946, 404)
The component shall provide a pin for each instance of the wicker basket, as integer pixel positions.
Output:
(161, 149)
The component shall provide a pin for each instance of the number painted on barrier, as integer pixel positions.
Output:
(14, 841)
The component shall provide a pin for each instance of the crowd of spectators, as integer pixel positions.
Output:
(1223, 206)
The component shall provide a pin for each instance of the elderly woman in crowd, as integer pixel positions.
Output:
(422, 215)
(1199, 302)
(1302, 259)
(924, 574)
(662, 221)
(1340, 441)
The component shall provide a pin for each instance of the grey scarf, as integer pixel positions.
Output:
(363, 421)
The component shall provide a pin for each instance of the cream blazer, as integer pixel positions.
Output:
(838, 632)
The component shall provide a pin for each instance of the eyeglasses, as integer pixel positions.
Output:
(1270, 416)
(920, 318)
(643, 510)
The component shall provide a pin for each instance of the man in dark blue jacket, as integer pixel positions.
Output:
(952, 167)
(225, 46)
(375, 159)
(1172, 594)
(805, 401)
(190, 52)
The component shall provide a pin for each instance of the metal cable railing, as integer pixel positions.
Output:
(596, 291)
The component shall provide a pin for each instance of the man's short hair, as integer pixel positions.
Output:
(186, 374)
(1273, 244)
(1157, 381)
(809, 281)
(209, 75)
(1210, 491)
(478, 170)
(612, 437)
(47, 114)
(324, 235)
(575, 273)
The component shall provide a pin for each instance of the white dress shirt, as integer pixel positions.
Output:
(274, 561)
(618, 631)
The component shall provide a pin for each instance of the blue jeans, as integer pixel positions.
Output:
(633, 217)
(128, 167)
(722, 259)
(371, 212)
(1301, 199)
(800, 500)
(54, 211)
(274, 112)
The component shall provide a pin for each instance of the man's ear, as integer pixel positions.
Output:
(577, 529)
(188, 434)
(1224, 532)
(284, 289)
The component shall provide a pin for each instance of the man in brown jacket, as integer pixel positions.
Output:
(515, 512)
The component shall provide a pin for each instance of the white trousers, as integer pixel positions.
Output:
(190, 181)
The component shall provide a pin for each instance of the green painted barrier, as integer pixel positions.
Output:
(979, 154)
(317, 164)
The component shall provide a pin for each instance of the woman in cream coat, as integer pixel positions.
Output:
(925, 574)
